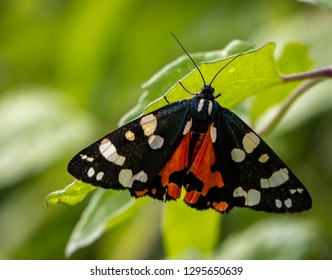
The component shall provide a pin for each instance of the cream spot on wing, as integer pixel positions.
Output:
(155, 142)
(278, 203)
(91, 172)
(239, 192)
(252, 197)
(238, 155)
(263, 158)
(140, 176)
(126, 177)
(130, 136)
(288, 203)
(85, 157)
(250, 142)
(108, 151)
(99, 176)
(187, 127)
(149, 124)
(278, 178)
(213, 133)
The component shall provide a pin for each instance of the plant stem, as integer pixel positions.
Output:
(282, 110)
(314, 77)
(319, 73)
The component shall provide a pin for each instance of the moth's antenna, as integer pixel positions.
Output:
(193, 61)
(235, 57)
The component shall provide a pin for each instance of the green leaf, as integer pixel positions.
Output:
(274, 238)
(189, 233)
(71, 195)
(161, 82)
(106, 208)
(244, 77)
(254, 73)
(294, 59)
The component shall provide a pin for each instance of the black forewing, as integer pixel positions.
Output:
(290, 196)
(139, 156)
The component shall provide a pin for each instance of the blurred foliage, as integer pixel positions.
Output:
(70, 69)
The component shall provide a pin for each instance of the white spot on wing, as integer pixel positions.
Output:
(252, 197)
(250, 142)
(278, 203)
(288, 203)
(91, 172)
(126, 177)
(140, 176)
(187, 127)
(213, 133)
(156, 142)
(99, 176)
(278, 178)
(265, 183)
(149, 124)
(85, 157)
(239, 192)
(238, 155)
(108, 151)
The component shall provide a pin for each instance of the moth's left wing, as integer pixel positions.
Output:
(134, 156)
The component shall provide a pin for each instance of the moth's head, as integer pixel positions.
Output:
(207, 90)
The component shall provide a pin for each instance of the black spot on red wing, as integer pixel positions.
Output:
(155, 189)
(192, 183)
(176, 178)
(215, 167)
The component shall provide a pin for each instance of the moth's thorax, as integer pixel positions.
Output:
(203, 113)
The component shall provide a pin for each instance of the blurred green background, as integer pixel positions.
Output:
(70, 69)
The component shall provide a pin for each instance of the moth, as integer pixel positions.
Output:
(197, 147)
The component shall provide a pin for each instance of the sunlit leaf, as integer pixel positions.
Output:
(166, 78)
(71, 195)
(254, 73)
(248, 74)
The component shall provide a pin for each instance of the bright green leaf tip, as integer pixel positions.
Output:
(70, 195)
